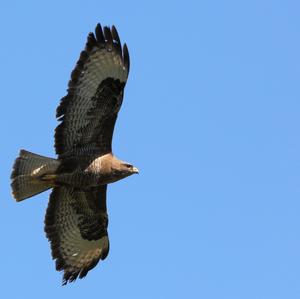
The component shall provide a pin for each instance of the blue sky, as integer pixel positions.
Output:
(210, 117)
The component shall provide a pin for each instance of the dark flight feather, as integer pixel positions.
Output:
(76, 226)
(101, 60)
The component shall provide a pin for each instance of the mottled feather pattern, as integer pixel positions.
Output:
(103, 58)
(101, 117)
(73, 249)
(27, 170)
(92, 221)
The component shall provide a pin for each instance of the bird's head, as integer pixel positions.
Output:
(128, 169)
(122, 169)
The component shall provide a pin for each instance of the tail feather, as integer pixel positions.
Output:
(27, 174)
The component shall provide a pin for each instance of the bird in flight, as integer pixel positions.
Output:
(76, 218)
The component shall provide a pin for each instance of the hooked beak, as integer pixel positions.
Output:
(135, 170)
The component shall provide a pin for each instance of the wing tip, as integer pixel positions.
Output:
(91, 42)
(71, 274)
(99, 34)
(126, 58)
(110, 36)
(107, 35)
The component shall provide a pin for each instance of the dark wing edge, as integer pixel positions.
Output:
(76, 226)
(107, 40)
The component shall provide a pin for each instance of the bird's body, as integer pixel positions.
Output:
(87, 172)
(76, 218)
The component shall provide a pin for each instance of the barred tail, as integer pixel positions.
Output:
(28, 170)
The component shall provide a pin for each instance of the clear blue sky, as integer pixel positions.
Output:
(210, 117)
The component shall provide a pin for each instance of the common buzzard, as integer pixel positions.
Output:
(76, 218)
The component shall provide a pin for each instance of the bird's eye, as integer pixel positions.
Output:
(128, 165)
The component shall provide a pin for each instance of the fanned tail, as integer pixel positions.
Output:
(28, 172)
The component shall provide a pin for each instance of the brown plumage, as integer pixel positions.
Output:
(76, 218)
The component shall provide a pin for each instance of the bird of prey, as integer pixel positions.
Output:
(76, 218)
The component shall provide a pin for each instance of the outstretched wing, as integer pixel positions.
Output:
(95, 92)
(76, 226)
